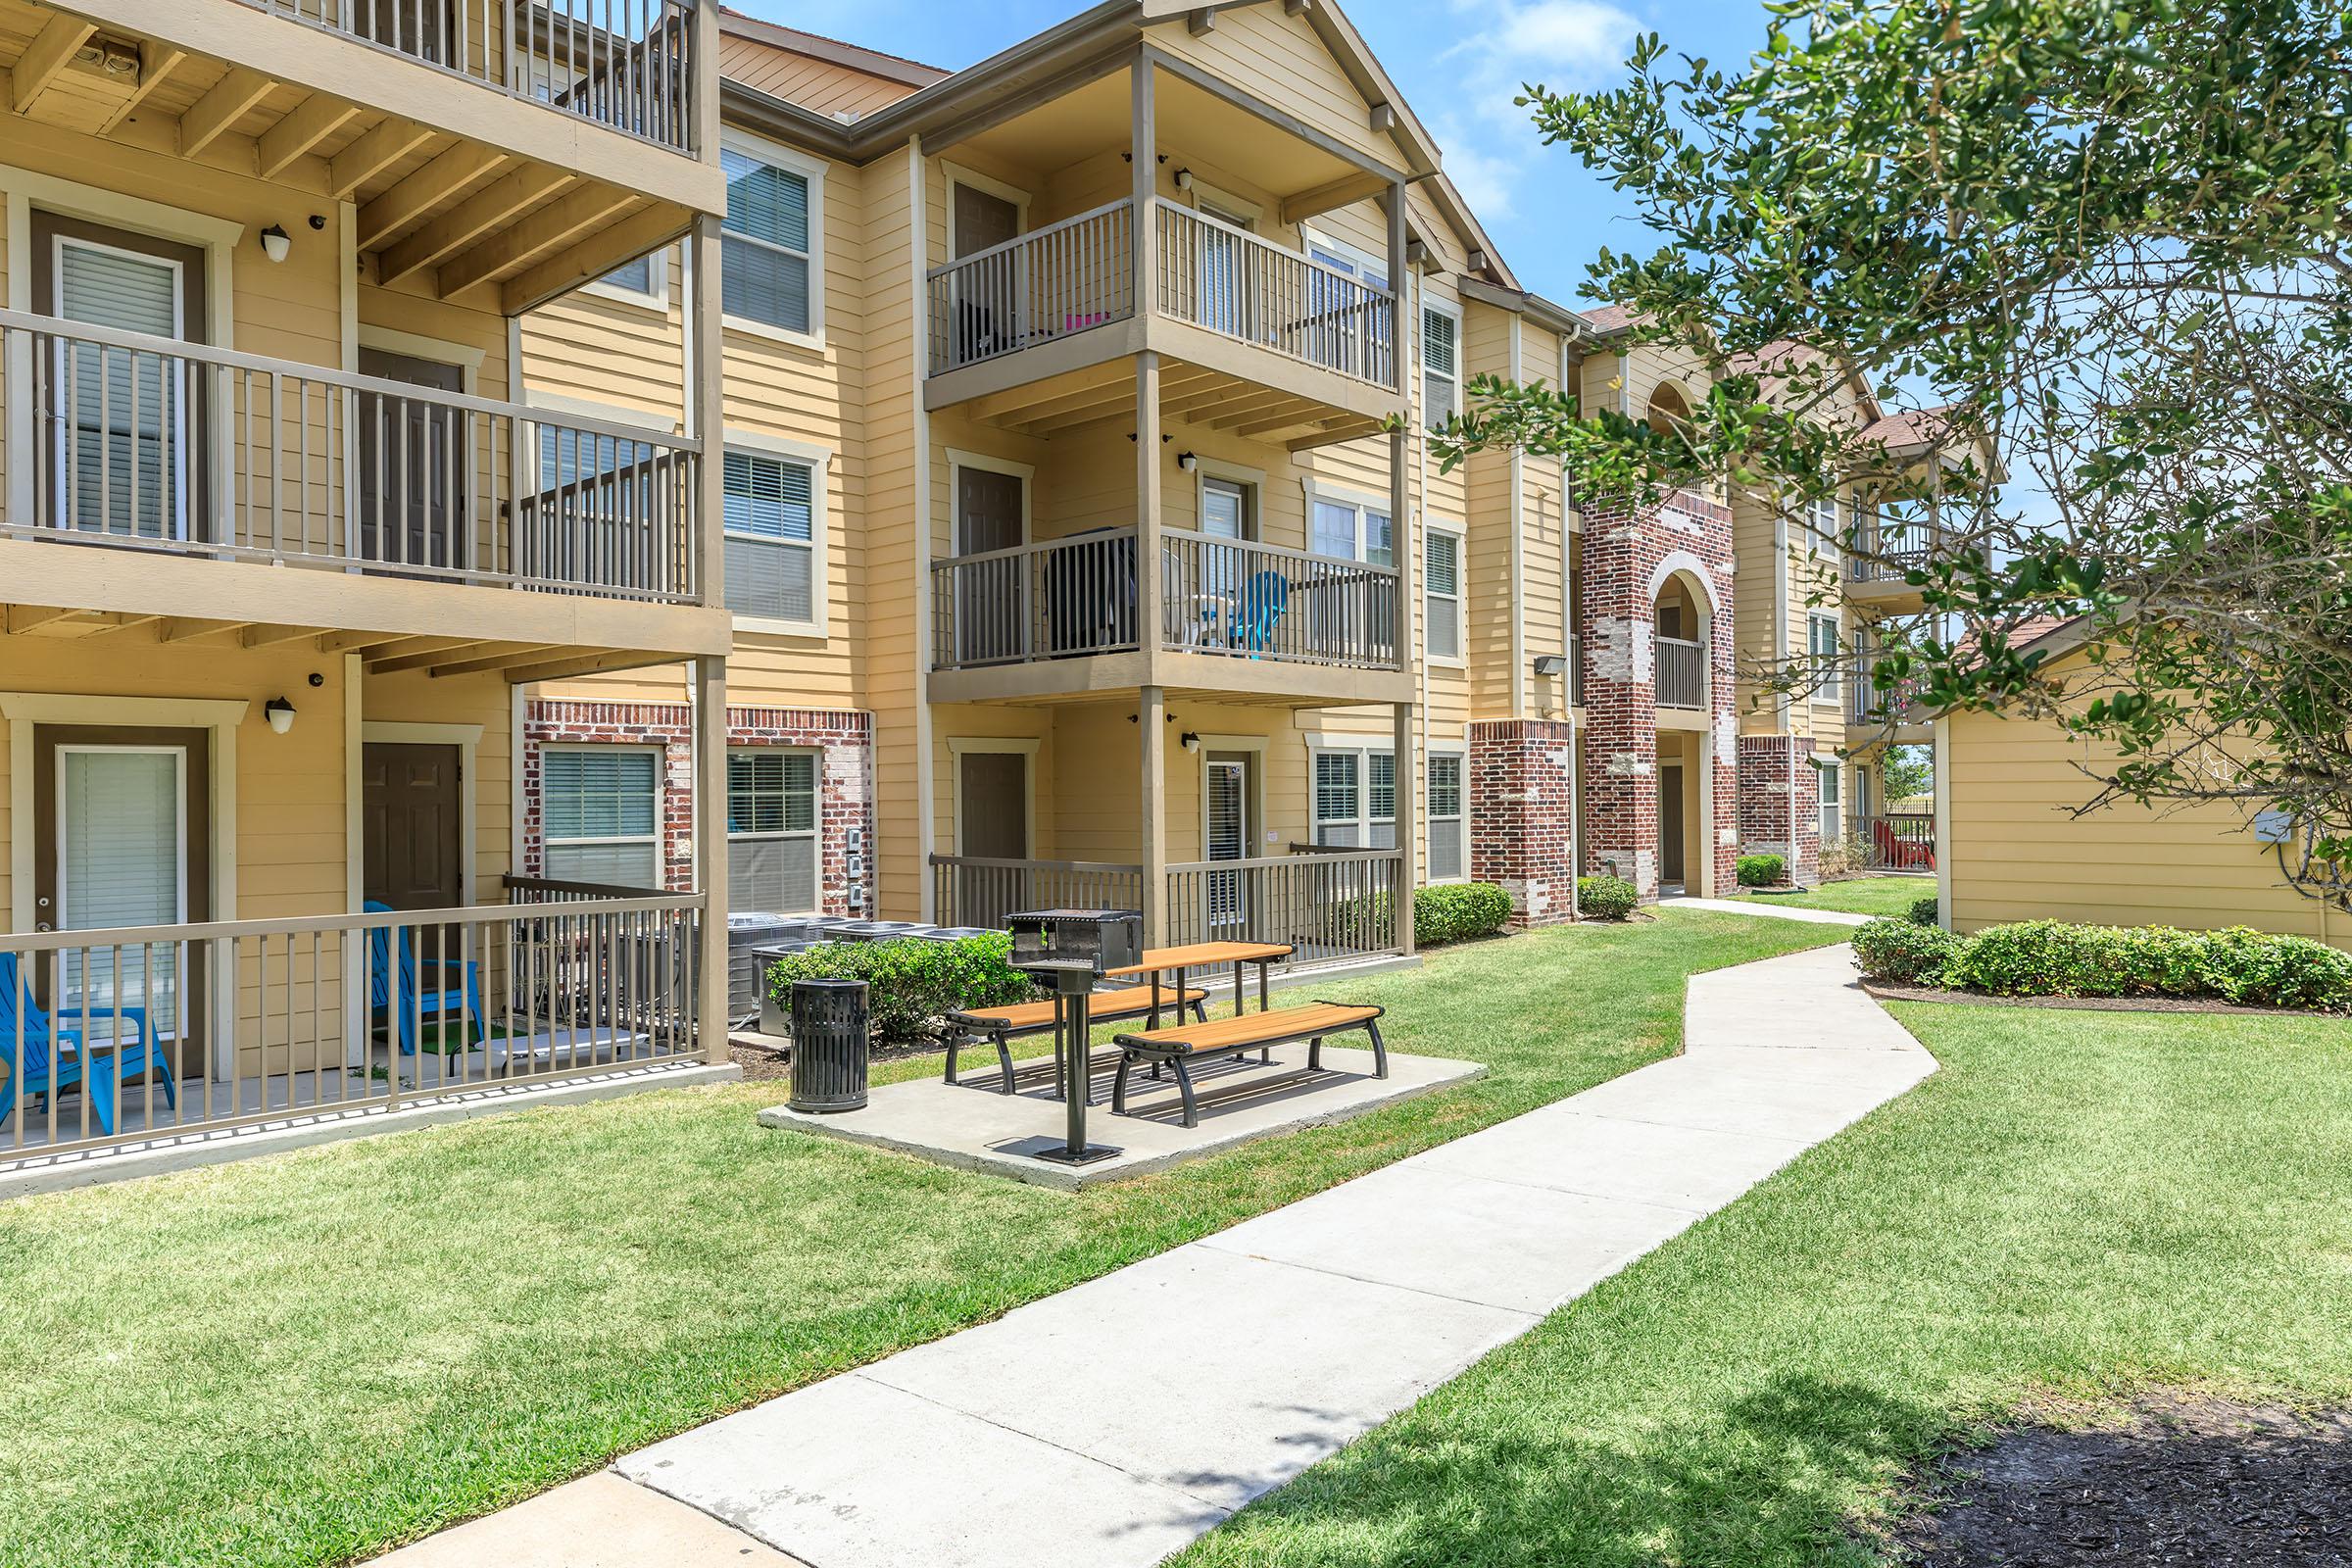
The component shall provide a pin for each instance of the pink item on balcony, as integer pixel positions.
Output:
(1078, 323)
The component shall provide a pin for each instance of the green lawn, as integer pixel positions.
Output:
(1862, 895)
(307, 1358)
(2079, 1202)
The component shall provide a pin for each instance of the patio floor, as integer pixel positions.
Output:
(973, 1126)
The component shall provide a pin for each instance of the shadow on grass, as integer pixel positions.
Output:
(1768, 1480)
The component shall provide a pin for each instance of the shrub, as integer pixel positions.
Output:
(2042, 958)
(1903, 953)
(1606, 898)
(2252, 968)
(1923, 911)
(911, 983)
(2056, 958)
(1761, 871)
(1458, 911)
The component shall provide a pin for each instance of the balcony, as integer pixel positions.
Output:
(1216, 298)
(131, 446)
(1894, 841)
(1682, 673)
(1234, 615)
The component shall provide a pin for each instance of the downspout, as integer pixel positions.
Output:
(926, 830)
(1515, 366)
(1572, 646)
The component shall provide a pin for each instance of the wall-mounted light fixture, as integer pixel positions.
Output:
(276, 243)
(1184, 179)
(1552, 663)
(1188, 741)
(1187, 462)
(280, 714)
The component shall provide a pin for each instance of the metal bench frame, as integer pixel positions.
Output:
(1140, 1048)
(971, 1028)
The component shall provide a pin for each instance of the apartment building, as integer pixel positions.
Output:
(281, 546)
(1083, 542)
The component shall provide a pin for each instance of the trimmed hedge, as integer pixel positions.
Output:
(2057, 959)
(912, 983)
(1761, 871)
(1925, 912)
(1456, 912)
(1606, 898)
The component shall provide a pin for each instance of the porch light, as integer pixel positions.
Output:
(1190, 741)
(1187, 462)
(280, 714)
(1550, 663)
(1184, 179)
(276, 243)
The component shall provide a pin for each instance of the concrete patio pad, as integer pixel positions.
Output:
(974, 1127)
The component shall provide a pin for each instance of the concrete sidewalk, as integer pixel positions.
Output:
(1118, 1421)
(1766, 911)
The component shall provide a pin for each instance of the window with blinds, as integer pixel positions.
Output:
(647, 274)
(1825, 657)
(127, 470)
(121, 861)
(600, 807)
(1355, 799)
(1441, 375)
(1831, 815)
(1449, 839)
(771, 831)
(770, 519)
(1442, 593)
(765, 244)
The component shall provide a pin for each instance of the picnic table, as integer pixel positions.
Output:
(1158, 961)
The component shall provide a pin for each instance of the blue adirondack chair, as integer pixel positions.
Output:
(1264, 597)
(42, 1073)
(410, 1007)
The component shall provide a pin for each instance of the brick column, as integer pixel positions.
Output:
(1521, 827)
(1778, 788)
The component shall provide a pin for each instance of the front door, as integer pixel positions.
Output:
(123, 824)
(992, 597)
(412, 506)
(410, 804)
(1226, 827)
(992, 822)
(1670, 823)
(1223, 271)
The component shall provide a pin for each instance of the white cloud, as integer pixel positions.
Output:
(1489, 141)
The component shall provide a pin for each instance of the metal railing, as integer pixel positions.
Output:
(1893, 550)
(1892, 841)
(262, 1019)
(1682, 672)
(1055, 598)
(1259, 601)
(627, 64)
(1329, 906)
(129, 441)
(1233, 282)
(974, 890)
(1041, 286)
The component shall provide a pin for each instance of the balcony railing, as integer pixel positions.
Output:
(1080, 274)
(1244, 287)
(627, 64)
(1056, 598)
(1892, 841)
(127, 441)
(261, 1019)
(1257, 601)
(1682, 672)
(976, 890)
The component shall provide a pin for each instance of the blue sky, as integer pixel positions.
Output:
(1458, 68)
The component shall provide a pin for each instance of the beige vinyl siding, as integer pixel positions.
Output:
(1278, 57)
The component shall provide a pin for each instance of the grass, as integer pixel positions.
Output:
(2077, 1202)
(1862, 895)
(307, 1358)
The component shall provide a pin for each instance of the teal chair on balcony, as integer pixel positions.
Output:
(408, 1005)
(40, 1072)
(1263, 599)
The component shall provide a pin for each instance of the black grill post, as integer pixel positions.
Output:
(1068, 951)
(831, 1038)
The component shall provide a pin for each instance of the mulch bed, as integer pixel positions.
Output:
(759, 1062)
(2173, 1479)
(1985, 999)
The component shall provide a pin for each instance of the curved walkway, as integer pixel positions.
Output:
(1115, 1422)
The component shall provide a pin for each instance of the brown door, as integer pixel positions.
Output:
(992, 823)
(411, 797)
(983, 221)
(412, 505)
(1670, 823)
(123, 824)
(992, 597)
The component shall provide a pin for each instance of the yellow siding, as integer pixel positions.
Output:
(1266, 51)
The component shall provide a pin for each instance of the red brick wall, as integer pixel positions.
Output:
(845, 785)
(1521, 798)
(1777, 778)
(1617, 619)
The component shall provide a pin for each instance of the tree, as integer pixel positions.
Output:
(2107, 242)
(1905, 772)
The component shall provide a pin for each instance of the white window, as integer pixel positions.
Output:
(1353, 530)
(601, 806)
(772, 538)
(1825, 657)
(1448, 835)
(771, 831)
(1826, 524)
(1832, 819)
(1441, 369)
(1355, 799)
(768, 272)
(643, 282)
(1441, 592)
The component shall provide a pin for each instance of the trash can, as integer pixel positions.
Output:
(830, 1040)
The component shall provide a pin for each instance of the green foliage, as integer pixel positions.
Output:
(1903, 953)
(1761, 871)
(1924, 911)
(912, 983)
(1906, 771)
(2059, 958)
(1458, 912)
(1606, 898)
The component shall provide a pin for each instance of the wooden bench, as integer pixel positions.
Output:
(1021, 1020)
(1257, 1031)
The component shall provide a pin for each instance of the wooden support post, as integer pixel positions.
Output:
(1408, 822)
(705, 422)
(711, 850)
(1151, 718)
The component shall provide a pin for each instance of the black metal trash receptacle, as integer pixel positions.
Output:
(831, 1039)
